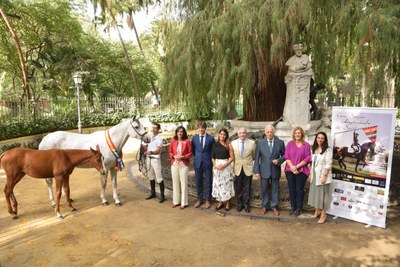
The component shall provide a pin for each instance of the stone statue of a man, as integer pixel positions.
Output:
(296, 110)
(299, 63)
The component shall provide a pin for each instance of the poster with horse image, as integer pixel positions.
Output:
(362, 141)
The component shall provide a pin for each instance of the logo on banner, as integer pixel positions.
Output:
(370, 132)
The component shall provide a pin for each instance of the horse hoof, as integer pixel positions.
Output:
(74, 209)
(119, 204)
(60, 217)
(53, 206)
(105, 203)
(15, 217)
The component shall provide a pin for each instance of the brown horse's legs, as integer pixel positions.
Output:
(67, 192)
(59, 181)
(14, 203)
(12, 209)
(9, 194)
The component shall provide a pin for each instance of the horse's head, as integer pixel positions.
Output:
(372, 148)
(137, 131)
(97, 160)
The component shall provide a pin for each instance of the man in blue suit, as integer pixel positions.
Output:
(269, 156)
(201, 148)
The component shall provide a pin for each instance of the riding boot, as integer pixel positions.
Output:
(152, 190)
(162, 196)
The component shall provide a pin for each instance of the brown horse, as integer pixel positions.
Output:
(57, 163)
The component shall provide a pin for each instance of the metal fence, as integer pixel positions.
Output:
(22, 110)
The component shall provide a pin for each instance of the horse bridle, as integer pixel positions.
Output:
(140, 156)
(141, 135)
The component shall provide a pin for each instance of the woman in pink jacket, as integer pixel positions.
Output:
(298, 156)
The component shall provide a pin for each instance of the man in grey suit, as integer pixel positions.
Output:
(269, 156)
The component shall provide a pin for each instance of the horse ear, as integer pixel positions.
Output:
(97, 148)
(91, 149)
(134, 117)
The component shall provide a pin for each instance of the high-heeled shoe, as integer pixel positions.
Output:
(219, 206)
(317, 213)
(228, 206)
(323, 218)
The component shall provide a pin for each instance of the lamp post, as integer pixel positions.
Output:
(78, 81)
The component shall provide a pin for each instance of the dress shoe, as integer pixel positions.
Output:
(316, 213)
(175, 205)
(150, 196)
(228, 205)
(276, 212)
(263, 211)
(246, 209)
(297, 212)
(219, 206)
(323, 217)
(208, 204)
(183, 207)
(198, 204)
(239, 208)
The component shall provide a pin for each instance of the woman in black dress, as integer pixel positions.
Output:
(222, 156)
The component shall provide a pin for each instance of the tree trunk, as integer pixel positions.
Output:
(267, 101)
(132, 23)
(137, 92)
(21, 57)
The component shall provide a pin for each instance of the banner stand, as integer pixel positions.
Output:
(362, 142)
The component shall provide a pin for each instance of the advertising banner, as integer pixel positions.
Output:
(362, 141)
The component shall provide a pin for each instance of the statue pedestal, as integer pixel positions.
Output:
(297, 107)
(283, 129)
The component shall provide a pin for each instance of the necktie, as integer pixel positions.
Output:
(202, 141)
(242, 150)
(270, 146)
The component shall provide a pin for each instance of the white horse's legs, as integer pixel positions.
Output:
(49, 182)
(115, 187)
(104, 201)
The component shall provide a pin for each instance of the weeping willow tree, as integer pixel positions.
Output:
(227, 49)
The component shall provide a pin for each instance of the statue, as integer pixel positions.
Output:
(314, 88)
(296, 110)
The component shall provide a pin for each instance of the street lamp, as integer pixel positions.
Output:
(78, 81)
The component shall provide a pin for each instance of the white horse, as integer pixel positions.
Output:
(118, 135)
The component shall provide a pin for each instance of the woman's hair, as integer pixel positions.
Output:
(324, 145)
(184, 137)
(227, 142)
(302, 133)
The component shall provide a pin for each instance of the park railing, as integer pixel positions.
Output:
(19, 110)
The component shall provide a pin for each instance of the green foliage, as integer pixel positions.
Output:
(56, 45)
(176, 116)
(41, 126)
(240, 47)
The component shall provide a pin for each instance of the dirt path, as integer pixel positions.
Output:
(146, 233)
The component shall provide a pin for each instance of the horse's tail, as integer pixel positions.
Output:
(1, 156)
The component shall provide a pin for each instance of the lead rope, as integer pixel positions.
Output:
(141, 159)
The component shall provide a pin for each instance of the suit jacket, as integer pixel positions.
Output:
(245, 162)
(263, 159)
(202, 156)
(186, 151)
(321, 162)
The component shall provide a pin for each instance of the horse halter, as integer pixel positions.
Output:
(134, 128)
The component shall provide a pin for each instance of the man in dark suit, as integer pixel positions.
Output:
(201, 148)
(269, 156)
